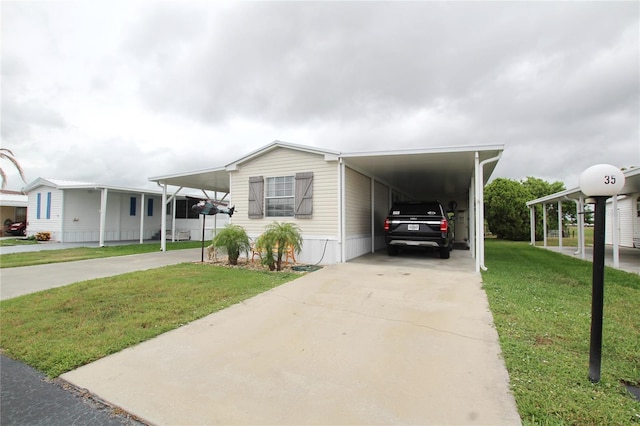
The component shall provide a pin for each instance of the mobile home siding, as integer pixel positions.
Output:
(625, 222)
(49, 217)
(287, 162)
(320, 232)
(358, 213)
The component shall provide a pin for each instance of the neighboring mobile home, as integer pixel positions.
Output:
(13, 208)
(88, 212)
(621, 229)
(340, 200)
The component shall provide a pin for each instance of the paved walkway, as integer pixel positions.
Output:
(28, 279)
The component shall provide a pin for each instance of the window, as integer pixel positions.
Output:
(638, 207)
(132, 206)
(150, 207)
(281, 196)
(48, 205)
(183, 209)
(38, 204)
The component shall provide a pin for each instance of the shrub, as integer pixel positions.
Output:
(235, 240)
(276, 239)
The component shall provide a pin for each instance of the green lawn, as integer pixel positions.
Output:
(82, 253)
(541, 303)
(18, 241)
(63, 328)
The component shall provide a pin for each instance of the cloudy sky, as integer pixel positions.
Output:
(114, 92)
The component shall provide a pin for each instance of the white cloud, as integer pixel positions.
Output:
(115, 92)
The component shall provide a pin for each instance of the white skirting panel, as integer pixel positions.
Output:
(358, 246)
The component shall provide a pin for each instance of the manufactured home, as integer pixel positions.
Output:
(339, 200)
(87, 212)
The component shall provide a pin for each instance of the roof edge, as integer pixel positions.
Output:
(435, 150)
(279, 144)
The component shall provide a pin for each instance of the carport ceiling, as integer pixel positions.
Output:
(442, 173)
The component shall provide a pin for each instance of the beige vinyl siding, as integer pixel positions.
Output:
(358, 203)
(288, 162)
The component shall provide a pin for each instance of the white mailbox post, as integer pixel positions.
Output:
(599, 182)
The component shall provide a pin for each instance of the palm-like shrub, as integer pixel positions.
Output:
(235, 240)
(275, 241)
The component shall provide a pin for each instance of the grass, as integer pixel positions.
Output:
(572, 239)
(18, 241)
(61, 329)
(41, 257)
(541, 304)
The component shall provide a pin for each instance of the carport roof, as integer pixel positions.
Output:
(631, 186)
(445, 170)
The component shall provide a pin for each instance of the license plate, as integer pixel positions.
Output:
(413, 227)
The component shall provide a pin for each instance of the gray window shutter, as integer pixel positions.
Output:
(256, 197)
(304, 195)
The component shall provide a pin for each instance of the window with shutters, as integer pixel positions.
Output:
(281, 196)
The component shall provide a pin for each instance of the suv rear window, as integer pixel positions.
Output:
(418, 209)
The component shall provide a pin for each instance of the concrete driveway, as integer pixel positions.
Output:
(366, 342)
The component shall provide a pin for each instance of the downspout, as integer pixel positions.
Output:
(480, 213)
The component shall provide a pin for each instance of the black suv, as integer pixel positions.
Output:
(418, 224)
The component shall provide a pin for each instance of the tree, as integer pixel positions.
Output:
(235, 239)
(275, 240)
(506, 210)
(8, 154)
(540, 188)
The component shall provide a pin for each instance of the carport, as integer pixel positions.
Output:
(631, 188)
(447, 173)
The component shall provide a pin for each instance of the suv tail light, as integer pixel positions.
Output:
(444, 225)
(386, 224)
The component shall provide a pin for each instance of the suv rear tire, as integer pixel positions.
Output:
(392, 250)
(445, 253)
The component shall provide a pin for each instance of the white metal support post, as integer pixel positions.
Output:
(544, 223)
(532, 224)
(615, 232)
(163, 220)
(560, 225)
(141, 218)
(103, 215)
